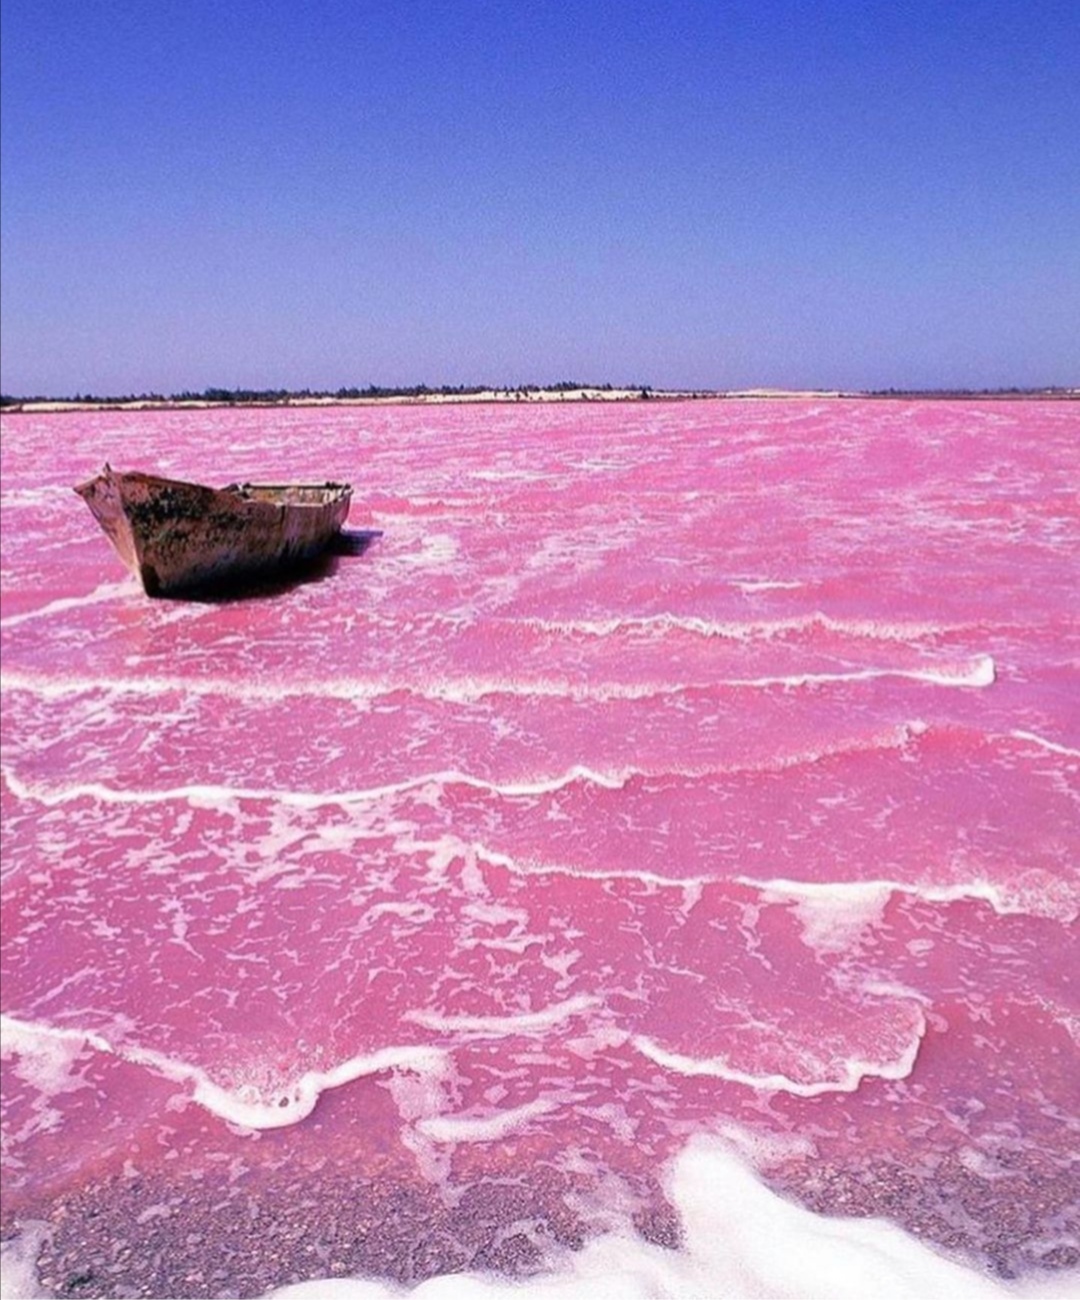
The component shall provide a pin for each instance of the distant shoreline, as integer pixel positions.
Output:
(508, 396)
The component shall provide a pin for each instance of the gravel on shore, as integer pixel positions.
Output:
(134, 1236)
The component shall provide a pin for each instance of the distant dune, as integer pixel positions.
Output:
(432, 398)
(562, 393)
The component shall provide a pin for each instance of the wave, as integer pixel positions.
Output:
(105, 592)
(897, 737)
(435, 549)
(248, 1104)
(746, 630)
(254, 1101)
(832, 913)
(35, 497)
(489, 1127)
(978, 671)
(974, 672)
(847, 1078)
(750, 585)
(407, 508)
(690, 886)
(523, 1022)
(823, 906)
(219, 794)
(1052, 745)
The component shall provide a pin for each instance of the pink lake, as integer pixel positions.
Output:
(675, 797)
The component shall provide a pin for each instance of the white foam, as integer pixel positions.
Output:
(846, 1078)
(978, 671)
(488, 1127)
(742, 1242)
(20, 1038)
(210, 795)
(742, 629)
(828, 909)
(524, 1022)
(832, 919)
(18, 1257)
(44, 1060)
(217, 795)
(253, 1110)
(689, 885)
(436, 549)
(251, 1103)
(105, 592)
(1052, 745)
(750, 585)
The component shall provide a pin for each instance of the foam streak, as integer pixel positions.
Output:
(244, 1105)
(977, 672)
(717, 1067)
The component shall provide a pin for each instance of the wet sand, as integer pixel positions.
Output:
(1018, 1218)
(206, 1236)
(135, 1236)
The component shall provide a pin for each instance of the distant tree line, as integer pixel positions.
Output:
(967, 392)
(275, 396)
(282, 396)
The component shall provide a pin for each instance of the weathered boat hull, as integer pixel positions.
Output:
(178, 536)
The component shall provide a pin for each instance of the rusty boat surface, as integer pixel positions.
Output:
(179, 537)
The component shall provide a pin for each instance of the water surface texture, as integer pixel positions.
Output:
(667, 781)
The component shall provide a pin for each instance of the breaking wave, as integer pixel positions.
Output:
(844, 1075)
(248, 1103)
(747, 630)
(973, 672)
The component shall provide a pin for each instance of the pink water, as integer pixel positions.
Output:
(661, 770)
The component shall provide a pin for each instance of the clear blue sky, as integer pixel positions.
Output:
(696, 192)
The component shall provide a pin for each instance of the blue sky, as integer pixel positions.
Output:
(201, 193)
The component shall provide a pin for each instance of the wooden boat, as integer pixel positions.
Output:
(177, 536)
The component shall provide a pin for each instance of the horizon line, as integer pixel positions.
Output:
(214, 396)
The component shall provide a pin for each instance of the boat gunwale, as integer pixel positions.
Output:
(334, 489)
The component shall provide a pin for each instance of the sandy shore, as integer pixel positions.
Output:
(1018, 1218)
(138, 1236)
(134, 1235)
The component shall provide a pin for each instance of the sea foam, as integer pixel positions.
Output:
(248, 1103)
(741, 1242)
(969, 672)
(847, 1075)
